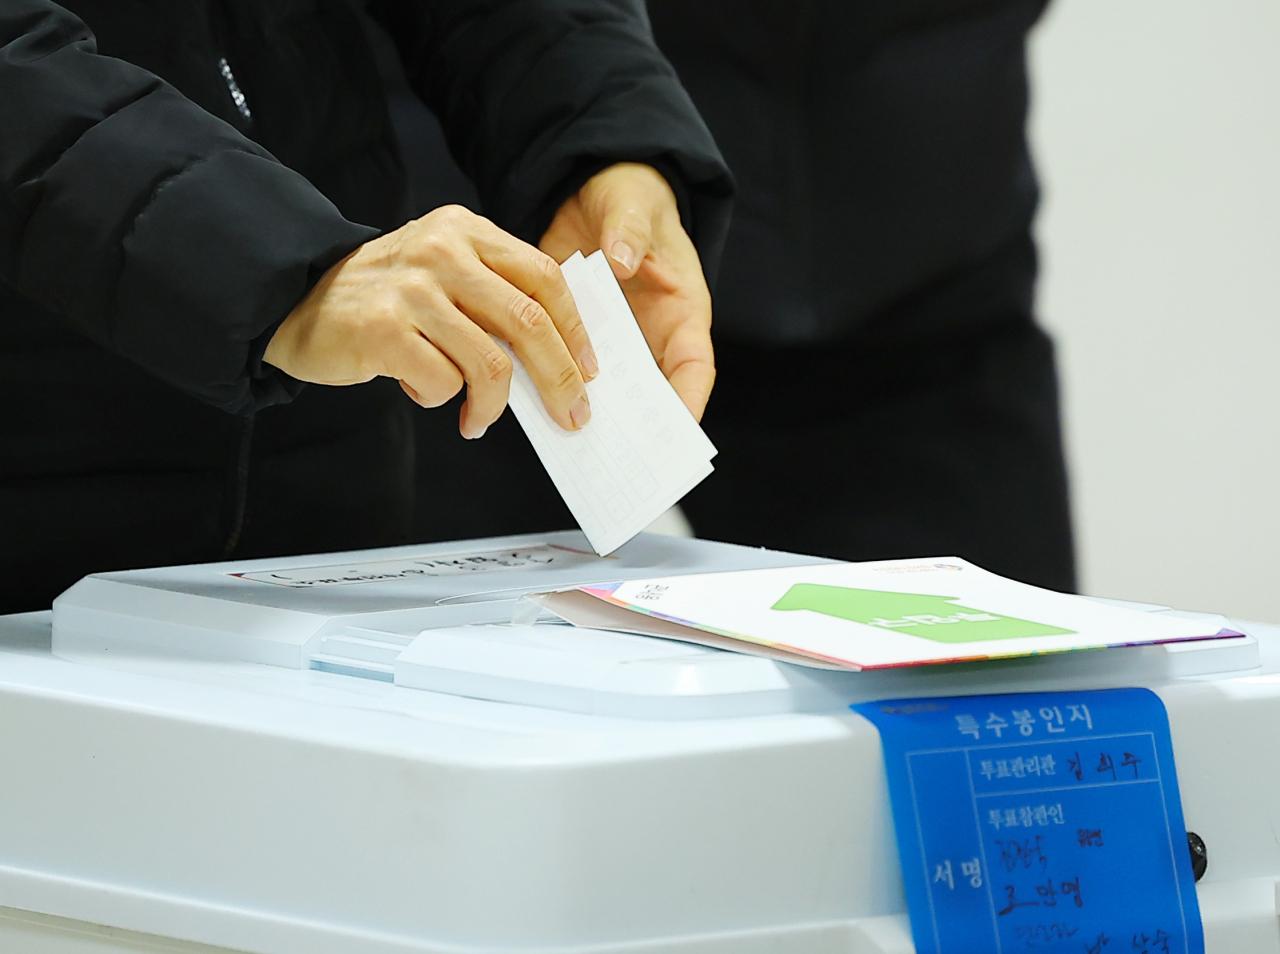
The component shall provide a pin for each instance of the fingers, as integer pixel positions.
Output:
(538, 276)
(626, 235)
(482, 363)
(629, 198)
(505, 311)
(420, 305)
(425, 374)
(693, 381)
(689, 364)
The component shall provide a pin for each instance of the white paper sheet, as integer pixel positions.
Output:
(642, 450)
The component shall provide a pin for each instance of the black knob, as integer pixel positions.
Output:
(1199, 855)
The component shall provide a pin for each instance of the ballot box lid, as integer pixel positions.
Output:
(451, 618)
(279, 611)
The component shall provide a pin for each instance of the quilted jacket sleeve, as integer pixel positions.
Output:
(149, 225)
(535, 96)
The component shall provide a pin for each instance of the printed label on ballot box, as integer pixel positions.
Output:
(1045, 822)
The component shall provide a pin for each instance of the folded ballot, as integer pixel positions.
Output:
(642, 450)
(869, 615)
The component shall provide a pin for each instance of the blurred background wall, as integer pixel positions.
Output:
(1157, 131)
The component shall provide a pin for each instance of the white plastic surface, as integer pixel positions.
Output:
(159, 801)
(593, 671)
(233, 611)
(257, 808)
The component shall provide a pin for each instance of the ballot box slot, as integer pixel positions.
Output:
(358, 651)
(361, 669)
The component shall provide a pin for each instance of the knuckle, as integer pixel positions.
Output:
(434, 396)
(567, 380)
(495, 367)
(434, 246)
(440, 387)
(418, 292)
(375, 329)
(449, 218)
(454, 214)
(546, 270)
(527, 317)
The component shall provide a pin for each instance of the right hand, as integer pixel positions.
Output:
(420, 303)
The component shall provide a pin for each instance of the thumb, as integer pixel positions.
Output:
(626, 235)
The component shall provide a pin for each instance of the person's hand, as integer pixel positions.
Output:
(629, 211)
(420, 303)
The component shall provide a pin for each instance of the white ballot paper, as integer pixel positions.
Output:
(642, 450)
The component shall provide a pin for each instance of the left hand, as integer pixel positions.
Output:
(629, 211)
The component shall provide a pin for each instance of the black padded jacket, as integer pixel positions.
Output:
(175, 176)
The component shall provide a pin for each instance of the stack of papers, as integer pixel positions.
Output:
(642, 450)
(869, 615)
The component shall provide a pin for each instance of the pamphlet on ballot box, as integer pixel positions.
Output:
(869, 615)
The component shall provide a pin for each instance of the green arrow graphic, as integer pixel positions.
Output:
(917, 614)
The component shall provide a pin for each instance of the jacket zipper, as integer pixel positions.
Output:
(237, 94)
(221, 18)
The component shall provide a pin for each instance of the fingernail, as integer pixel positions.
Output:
(590, 366)
(624, 255)
(580, 413)
(476, 435)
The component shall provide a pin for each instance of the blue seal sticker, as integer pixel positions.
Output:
(1045, 822)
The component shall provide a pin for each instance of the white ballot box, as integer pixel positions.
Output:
(391, 753)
